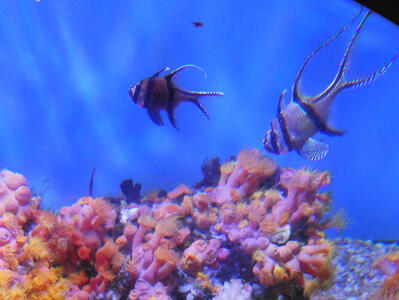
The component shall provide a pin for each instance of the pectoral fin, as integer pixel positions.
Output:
(155, 116)
(314, 149)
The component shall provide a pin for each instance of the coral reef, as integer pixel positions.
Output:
(249, 227)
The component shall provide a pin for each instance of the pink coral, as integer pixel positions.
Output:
(242, 178)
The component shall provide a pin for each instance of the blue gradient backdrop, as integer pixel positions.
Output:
(65, 68)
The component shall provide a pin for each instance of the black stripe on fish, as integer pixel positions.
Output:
(316, 119)
(148, 93)
(284, 129)
(171, 100)
(137, 90)
(273, 141)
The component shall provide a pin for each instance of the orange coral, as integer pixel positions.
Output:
(48, 220)
(16, 292)
(6, 278)
(254, 163)
(256, 211)
(78, 278)
(187, 206)
(105, 214)
(84, 253)
(180, 190)
(121, 241)
(166, 227)
(129, 231)
(105, 254)
(389, 265)
(47, 283)
(35, 250)
(117, 261)
(10, 221)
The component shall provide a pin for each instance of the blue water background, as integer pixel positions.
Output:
(65, 69)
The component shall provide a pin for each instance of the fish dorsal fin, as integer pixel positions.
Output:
(281, 103)
(155, 116)
(314, 149)
(159, 72)
(296, 92)
(318, 121)
(171, 74)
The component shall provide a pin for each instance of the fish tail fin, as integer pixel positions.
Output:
(199, 94)
(296, 93)
(370, 78)
(200, 106)
(193, 97)
(195, 100)
(171, 74)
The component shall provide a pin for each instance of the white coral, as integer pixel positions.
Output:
(234, 290)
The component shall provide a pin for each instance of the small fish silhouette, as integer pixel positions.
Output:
(161, 93)
(197, 24)
(295, 124)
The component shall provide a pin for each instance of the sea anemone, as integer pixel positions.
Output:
(35, 250)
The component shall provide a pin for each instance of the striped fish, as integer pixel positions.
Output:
(297, 123)
(161, 93)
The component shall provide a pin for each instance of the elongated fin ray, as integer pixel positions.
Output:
(296, 93)
(155, 116)
(159, 72)
(171, 74)
(372, 77)
(314, 149)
